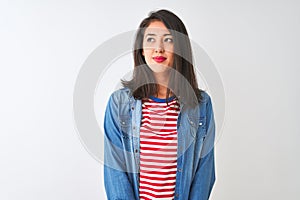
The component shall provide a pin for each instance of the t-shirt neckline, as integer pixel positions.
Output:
(160, 100)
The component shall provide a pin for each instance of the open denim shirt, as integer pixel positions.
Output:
(195, 174)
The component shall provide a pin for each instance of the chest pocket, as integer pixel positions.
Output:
(198, 126)
(125, 126)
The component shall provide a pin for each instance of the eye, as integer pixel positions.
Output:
(150, 39)
(169, 40)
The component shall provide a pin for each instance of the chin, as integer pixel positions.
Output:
(161, 69)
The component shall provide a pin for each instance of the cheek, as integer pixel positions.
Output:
(171, 56)
(147, 53)
(169, 47)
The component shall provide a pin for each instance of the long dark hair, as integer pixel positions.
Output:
(182, 80)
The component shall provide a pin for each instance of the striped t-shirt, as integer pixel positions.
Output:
(158, 148)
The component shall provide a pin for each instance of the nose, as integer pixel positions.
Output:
(159, 48)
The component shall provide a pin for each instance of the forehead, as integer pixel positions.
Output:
(157, 28)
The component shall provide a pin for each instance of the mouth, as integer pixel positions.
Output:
(159, 59)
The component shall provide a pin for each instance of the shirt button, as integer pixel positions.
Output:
(177, 195)
(200, 123)
(136, 150)
(132, 108)
(179, 170)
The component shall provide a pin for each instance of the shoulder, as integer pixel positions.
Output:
(206, 107)
(205, 104)
(121, 95)
(205, 97)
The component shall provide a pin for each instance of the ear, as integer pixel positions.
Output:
(143, 52)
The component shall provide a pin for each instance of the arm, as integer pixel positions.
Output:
(116, 181)
(204, 178)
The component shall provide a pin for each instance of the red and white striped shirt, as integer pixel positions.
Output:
(158, 148)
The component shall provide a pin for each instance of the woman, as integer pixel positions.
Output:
(159, 128)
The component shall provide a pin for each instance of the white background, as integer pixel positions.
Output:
(43, 44)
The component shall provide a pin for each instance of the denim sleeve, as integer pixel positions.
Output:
(204, 178)
(116, 182)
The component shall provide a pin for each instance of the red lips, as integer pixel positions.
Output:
(159, 59)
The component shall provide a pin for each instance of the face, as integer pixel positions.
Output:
(158, 47)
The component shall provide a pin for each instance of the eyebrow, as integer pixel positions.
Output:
(152, 34)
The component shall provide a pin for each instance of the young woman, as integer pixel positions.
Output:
(159, 128)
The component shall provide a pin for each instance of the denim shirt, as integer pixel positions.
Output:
(195, 174)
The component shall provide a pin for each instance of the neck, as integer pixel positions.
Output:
(162, 79)
(162, 92)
